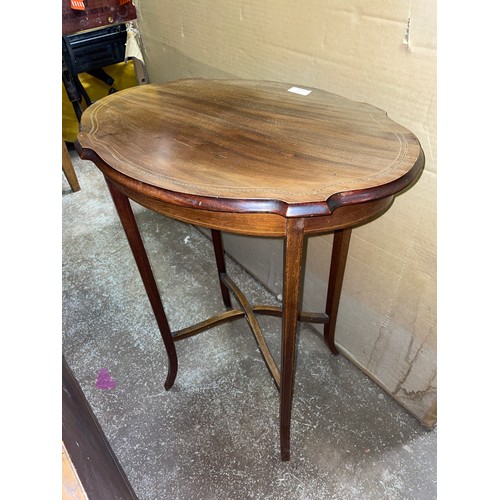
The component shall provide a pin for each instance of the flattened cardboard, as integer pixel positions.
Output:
(381, 52)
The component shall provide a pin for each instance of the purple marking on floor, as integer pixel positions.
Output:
(104, 380)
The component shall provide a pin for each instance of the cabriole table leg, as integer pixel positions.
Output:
(129, 224)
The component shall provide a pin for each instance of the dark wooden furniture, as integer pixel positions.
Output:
(93, 38)
(97, 14)
(257, 158)
(99, 470)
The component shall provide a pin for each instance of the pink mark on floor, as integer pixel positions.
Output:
(104, 380)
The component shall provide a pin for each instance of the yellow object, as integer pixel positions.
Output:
(124, 76)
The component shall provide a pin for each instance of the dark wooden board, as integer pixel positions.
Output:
(99, 470)
(98, 14)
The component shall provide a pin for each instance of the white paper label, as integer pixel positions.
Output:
(297, 90)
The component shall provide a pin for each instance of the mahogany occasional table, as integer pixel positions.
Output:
(257, 158)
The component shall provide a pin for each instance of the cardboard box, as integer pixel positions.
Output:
(381, 52)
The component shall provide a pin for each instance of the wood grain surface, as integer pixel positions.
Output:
(236, 145)
(253, 158)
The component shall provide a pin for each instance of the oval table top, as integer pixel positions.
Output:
(251, 146)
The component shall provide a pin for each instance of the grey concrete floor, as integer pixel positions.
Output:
(215, 434)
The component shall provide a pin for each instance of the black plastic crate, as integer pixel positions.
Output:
(92, 50)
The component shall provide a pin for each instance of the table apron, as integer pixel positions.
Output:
(260, 224)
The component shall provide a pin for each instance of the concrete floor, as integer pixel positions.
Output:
(214, 435)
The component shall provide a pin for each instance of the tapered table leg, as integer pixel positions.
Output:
(221, 265)
(129, 224)
(292, 285)
(69, 169)
(337, 267)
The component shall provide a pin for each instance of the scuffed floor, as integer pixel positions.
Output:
(214, 435)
